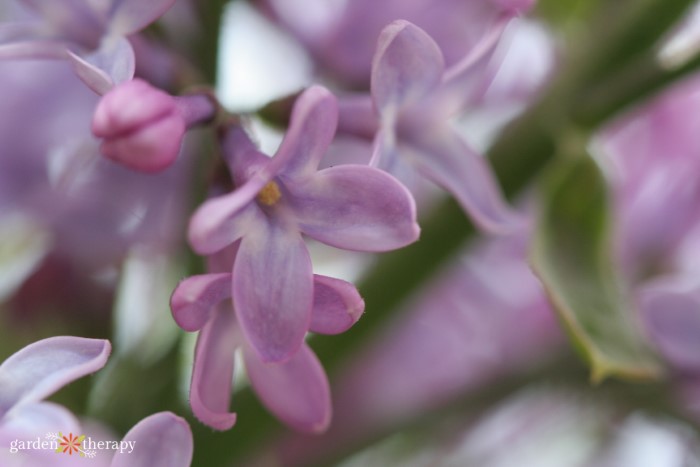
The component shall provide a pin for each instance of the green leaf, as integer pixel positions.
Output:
(572, 255)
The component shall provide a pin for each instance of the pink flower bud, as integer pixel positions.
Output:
(142, 127)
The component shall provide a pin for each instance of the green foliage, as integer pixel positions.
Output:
(572, 255)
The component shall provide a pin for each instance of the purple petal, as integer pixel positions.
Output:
(112, 64)
(337, 305)
(131, 16)
(447, 160)
(273, 291)
(36, 49)
(75, 19)
(210, 390)
(29, 420)
(355, 207)
(296, 391)
(222, 220)
(311, 129)
(17, 31)
(243, 158)
(408, 64)
(195, 297)
(42, 368)
(671, 314)
(94, 78)
(357, 117)
(469, 79)
(160, 440)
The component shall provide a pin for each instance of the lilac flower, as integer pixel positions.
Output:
(91, 35)
(36, 372)
(480, 318)
(671, 311)
(142, 127)
(651, 157)
(342, 36)
(42, 368)
(160, 440)
(296, 391)
(413, 98)
(279, 199)
(51, 174)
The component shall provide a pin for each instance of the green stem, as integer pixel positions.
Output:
(640, 80)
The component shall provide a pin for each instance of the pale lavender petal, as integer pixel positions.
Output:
(408, 65)
(273, 291)
(296, 391)
(357, 116)
(30, 50)
(337, 305)
(311, 129)
(212, 376)
(355, 207)
(42, 368)
(160, 440)
(131, 16)
(93, 77)
(30, 420)
(21, 31)
(113, 63)
(222, 220)
(671, 314)
(243, 158)
(447, 160)
(76, 19)
(469, 79)
(195, 297)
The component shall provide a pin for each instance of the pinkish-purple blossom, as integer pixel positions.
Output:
(413, 98)
(42, 368)
(296, 390)
(143, 127)
(277, 200)
(91, 35)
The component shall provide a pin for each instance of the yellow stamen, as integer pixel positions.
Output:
(270, 194)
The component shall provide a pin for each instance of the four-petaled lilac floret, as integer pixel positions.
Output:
(353, 207)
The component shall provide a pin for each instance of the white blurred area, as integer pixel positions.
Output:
(259, 63)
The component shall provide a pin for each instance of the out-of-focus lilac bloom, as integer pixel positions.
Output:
(671, 308)
(34, 373)
(414, 97)
(296, 391)
(483, 317)
(652, 157)
(277, 200)
(51, 172)
(160, 440)
(342, 37)
(42, 368)
(142, 127)
(91, 35)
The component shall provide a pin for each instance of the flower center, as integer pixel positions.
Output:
(270, 194)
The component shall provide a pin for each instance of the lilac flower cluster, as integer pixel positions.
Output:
(127, 182)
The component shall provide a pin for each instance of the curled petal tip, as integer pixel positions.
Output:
(194, 298)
